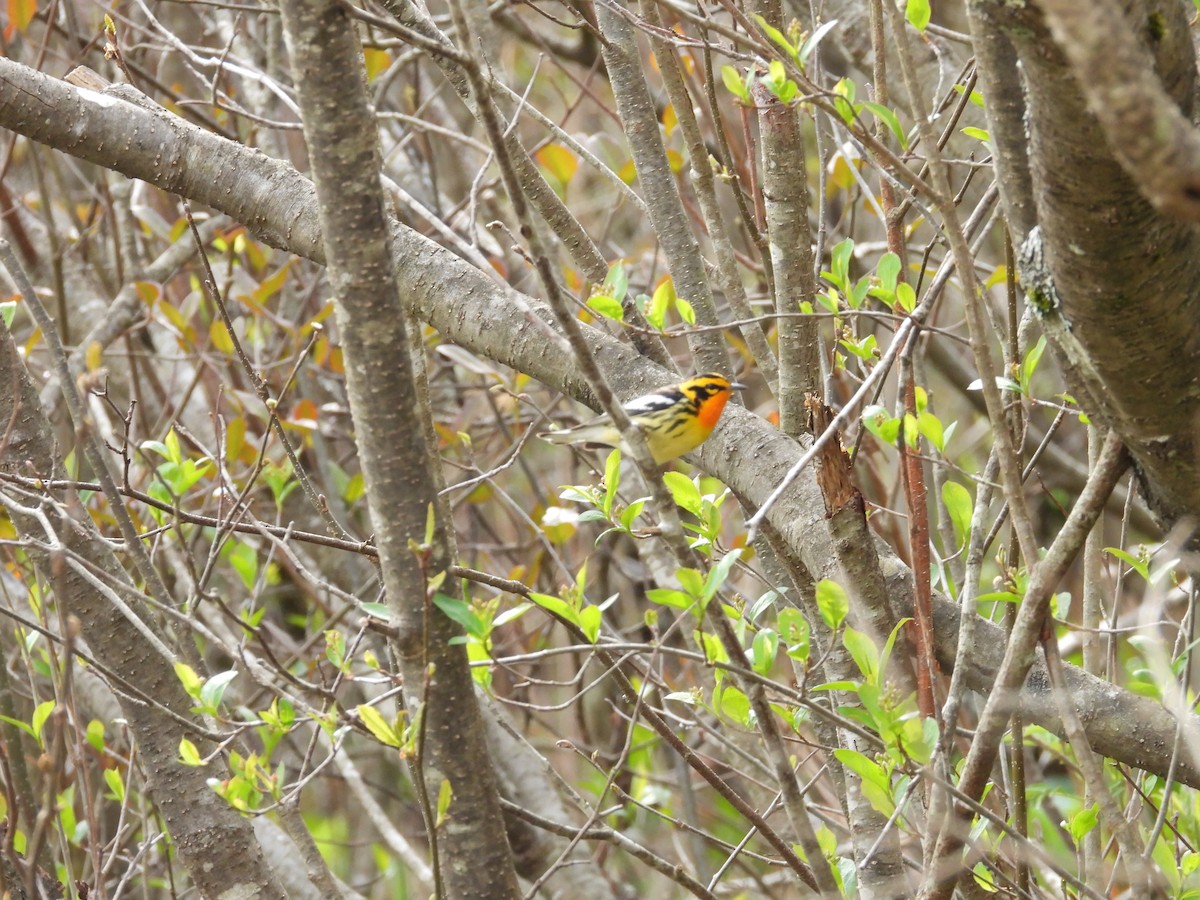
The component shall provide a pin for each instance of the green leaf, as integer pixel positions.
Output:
(156, 446)
(839, 261)
(959, 507)
(733, 84)
(607, 306)
(214, 689)
(656, 309)
(998, 597)
(815, 38)
(1032, 358)
(906, 296)
(976, 97)
(864, 653)
(192, 683)
(778, 37)
(510, 615)
(95, 735)
(632, 511)
(1139, 565)
(888, 270)
(445, 795)
(917, 12)
(833, 602)
(685, 311)
(843, 101)
(691, 581)
(376, 610)
(766, 645)
(874, 780)
(1083, 822)
(684, 492)
(7, 311)
(889, 118)
(24, 726)
(981, 134)
(557, 606)
(882, 424)
(40, 714)
(589, 622)
(188, 754)
(112, 777)
(670, 597)
(736, 706)
(430, 525)
(460, 611)
(612, 480)
(378, 726)
(244, 560)
(717, 576)
(930, 428)
(616, 282)
(796, 634)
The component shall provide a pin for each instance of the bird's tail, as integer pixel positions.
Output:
(602, 433)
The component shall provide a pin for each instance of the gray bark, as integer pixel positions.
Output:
(473, 856)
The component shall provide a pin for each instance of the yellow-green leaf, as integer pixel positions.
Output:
(445, 795)
(188, 754)
(378, 725)
(917, 12)
(219, 335)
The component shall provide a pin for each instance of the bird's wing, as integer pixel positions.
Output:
(640, 406)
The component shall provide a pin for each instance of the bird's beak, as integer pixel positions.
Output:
(737, 386)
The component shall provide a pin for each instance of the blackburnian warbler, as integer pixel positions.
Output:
(674, 419)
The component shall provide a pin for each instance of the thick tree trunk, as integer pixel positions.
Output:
(472, 853)
(1126, 273)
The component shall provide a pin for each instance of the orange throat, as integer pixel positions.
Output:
(710, 411)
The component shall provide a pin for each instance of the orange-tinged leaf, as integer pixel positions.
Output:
(669, 119)
(321, 351)
(183, 328)
(325, 313)
(148, 291)
(269, 287)
(21, 13)
(560, 162)
(675, 160)
(257, 254)
(304, 415)
(376, 61)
